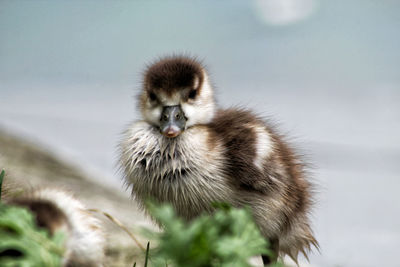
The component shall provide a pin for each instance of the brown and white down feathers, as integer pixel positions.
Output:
(57, 210)
(222, 155)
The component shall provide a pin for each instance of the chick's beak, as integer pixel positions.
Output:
(172, 121)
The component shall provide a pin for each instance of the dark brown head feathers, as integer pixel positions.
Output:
(174, 73)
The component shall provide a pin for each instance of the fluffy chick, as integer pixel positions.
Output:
(57, 210)
(187, 152)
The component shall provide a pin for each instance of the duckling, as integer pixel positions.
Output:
(188, 152)
(57, 210)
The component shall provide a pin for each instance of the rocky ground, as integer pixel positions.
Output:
(29, 165)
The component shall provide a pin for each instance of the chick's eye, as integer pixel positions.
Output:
(192, 94)
(152, 96)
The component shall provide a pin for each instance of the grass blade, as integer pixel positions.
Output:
(1, 180)
(120, 225)
(147, 254)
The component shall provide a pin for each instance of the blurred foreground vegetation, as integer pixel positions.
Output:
(229, 237)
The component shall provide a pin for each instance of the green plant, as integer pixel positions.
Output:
(22, 243)
(229, 237)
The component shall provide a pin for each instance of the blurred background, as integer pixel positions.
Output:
(328, 72)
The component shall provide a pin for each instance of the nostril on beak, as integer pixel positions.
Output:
(164, 117)
(172, 121)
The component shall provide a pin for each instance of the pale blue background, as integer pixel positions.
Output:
(69, 71)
